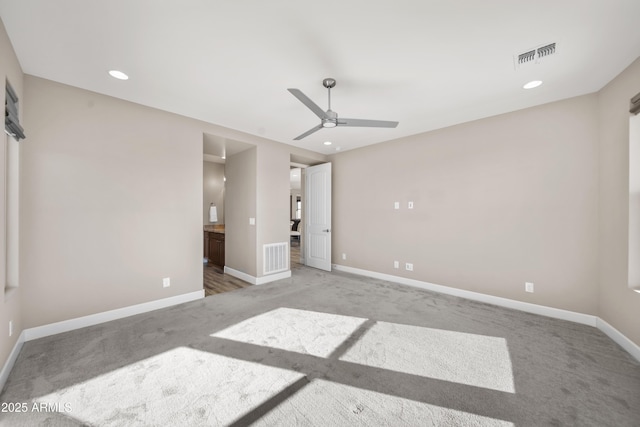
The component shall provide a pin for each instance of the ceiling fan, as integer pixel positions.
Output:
(329, 118)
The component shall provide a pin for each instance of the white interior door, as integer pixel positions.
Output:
(317, 222)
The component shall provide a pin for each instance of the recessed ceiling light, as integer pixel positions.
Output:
(338, 148)
(327, 143)
(532, 84)
(118, 75)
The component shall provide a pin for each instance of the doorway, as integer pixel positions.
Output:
(296, 212)
(215, 196)
(317, 216)
(310, 212)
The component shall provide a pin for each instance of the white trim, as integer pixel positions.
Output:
(257, 280)
(240, 275)
(586, 319)
(542, 310)
(632, 348)
(11, 360)
(273, 277)
(93, 319)
(106, 316)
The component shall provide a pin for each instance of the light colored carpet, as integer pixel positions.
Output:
(327, 349)
(343, 405)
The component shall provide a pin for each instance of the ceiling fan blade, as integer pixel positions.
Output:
(309, 103)
(367, 123)
(309, 132)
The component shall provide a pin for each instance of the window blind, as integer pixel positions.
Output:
(11, 119)
(635, 104)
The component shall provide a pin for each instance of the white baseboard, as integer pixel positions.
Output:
(619, 338)
(273, 277)
(81, 322)
(240, 275)
(557, 313)
(11, 360)
(93, 319)
(257, 280)
(106, 316)
(585, 319)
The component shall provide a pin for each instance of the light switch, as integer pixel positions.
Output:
(252, 221)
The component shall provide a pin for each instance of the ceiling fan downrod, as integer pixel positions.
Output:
(329, 83)
(331, 120)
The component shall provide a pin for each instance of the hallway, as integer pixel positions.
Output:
(216, 281)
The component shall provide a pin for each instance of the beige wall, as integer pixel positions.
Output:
(618, 305)
(273, 198)
(11, 309)
(241, 202)
(111, 203)
(213, 190)
(498, 202)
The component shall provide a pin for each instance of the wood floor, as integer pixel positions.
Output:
(216, 281)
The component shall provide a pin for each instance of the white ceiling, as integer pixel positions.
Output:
(425, 63)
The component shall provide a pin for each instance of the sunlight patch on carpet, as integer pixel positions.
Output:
(324, 403)
(300, 331)
(464, 358)
(180, 387)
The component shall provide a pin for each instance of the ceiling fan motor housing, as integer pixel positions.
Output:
(331, 120)
(329, 82)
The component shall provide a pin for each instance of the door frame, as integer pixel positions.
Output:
(317, 216)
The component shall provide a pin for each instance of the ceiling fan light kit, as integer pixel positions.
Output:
(329, 118)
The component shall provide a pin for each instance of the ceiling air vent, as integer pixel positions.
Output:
(534, 56)
(523, 58)
(547, 50)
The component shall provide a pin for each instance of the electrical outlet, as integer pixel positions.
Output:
(410, 205)
(396, 264)
(408, 266)
(528, 286)
(10, 327)
(344, 256)
(166, 282)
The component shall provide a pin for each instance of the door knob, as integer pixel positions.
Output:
(327, 230)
